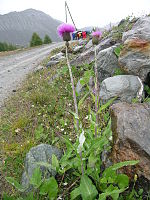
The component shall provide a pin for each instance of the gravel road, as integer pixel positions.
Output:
(14, 68)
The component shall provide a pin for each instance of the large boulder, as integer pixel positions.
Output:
(84, 58)
(107, 63)
(124, 87)
(131, 136)
(41, 153)
(141, 30)
(105, 43)
(135, 57)
(87, 56)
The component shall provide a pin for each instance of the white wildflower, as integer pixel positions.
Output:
(17, 130)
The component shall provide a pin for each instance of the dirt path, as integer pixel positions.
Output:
(14, 68)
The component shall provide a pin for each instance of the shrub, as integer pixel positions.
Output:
(35, 40)
(47, 40)
(7, 47)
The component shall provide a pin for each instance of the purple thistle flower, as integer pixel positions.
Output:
(65, 28)
(97, 34)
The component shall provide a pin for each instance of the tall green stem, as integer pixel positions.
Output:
(73, 88)
(96, 93)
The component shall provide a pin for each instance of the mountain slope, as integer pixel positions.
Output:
(18, 27)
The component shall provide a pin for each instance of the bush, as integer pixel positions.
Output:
(35, 40)
(47, 40)
(7, 47)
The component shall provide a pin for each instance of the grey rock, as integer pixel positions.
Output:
(141, 30)
(136, 62)
(125, 87)
(79, 87)
(135, 57)
(87, 56)
(84, 58)
(107, 63)
(77, 49)
(105, 43)
(57, 57)
(121, 22)
(51, 63)
(41, 153)
(131, 136)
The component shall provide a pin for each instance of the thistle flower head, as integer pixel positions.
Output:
(97, 34)
(65, 28)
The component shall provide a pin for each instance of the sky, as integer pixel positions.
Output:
(85, 12)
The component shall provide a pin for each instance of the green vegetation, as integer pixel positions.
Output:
(35, 40)
(47, 40)
(123, 27)
(41, 112)
(7, 47)
(117, 50)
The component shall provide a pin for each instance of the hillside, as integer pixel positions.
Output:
(17, 27)
(44, 154)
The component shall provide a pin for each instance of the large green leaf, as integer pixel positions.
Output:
(55, 162)
(113, 194)
(87, 189)
(122, 180)
(36, 178)
(116, 166)
(75, 193)
(13, 182)
(49, 187)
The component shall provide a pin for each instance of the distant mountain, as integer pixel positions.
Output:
(18, 27)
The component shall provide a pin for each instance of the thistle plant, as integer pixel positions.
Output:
(64, 31)
(96, 35)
